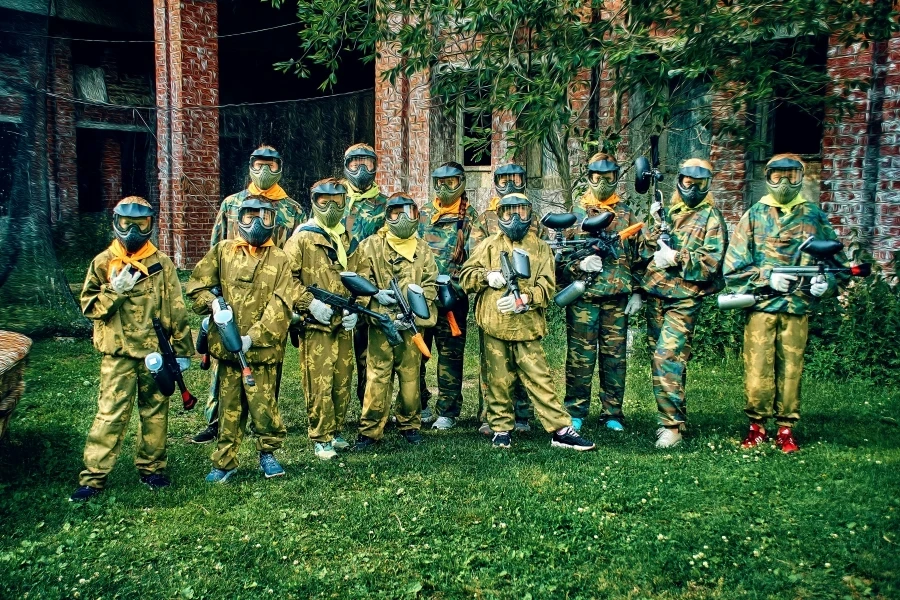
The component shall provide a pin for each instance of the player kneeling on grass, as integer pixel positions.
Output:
(395, 252)
(254, 279)
(513, 324)
(127, 286)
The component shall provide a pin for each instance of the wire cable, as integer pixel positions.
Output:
(72, 39)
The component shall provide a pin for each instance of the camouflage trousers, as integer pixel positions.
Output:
(522, 407)
(501, 363)
(670, 331)
(449, 361)
(211, 411)
(773, 364)
(122, 378)
(382, 362)
(326, 366)
(591, 327)
(238, 403)
(360, 352)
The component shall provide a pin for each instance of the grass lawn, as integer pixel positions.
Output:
(455, 518)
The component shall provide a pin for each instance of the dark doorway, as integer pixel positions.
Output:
(9, 134)
(89, 152)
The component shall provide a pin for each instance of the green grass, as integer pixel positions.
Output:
(455, 518)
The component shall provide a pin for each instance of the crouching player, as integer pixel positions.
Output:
(512, 336)
(254, 277)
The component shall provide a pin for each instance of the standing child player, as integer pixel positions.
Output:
(395, 252)
(127, 286)
(254, 277)
(512, 340)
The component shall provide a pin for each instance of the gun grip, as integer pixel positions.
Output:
(520, 305)
(295, 337)
(188, 400)
(205, 362)
(247, 374)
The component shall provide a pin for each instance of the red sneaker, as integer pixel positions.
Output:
(785, 440)
(755, 437)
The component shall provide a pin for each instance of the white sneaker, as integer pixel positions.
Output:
(325, 451)
(485, 429)
(444, 423)
(427, 416)
(339, 443)
(667, 438)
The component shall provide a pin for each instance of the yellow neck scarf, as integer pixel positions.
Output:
(494, 204)
(679, 205)
(273, 193)
(242, 243)
(588, 202)
(121, 257)
(354, 194)
(786, 209)
(440, 210)
(335, 234)
(404, 247)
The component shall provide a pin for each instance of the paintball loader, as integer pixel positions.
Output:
(514, 270)
(231, 336)
(447, 297)
(164, 368)
(412, 306)
(358, 287)
(647, 173)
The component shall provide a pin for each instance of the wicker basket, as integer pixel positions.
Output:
(14, 349)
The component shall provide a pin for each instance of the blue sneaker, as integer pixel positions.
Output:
(269, 465)
(614, 425)
(219, 475)
(577, 423)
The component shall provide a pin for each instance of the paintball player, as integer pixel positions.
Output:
(769, 235)
(318, 252)
(512, 340)
(598, 321)
(446, 226)
(508, 178)
(364, 217)
(254, 277)
(265, 173)
(682, 272)
(127, 286)
(396, 251)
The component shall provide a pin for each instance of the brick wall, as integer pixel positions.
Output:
(64, 174)
(729, 161)
(886, 239)
(111, 172)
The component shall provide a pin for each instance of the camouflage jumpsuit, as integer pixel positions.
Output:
(124, 335)
(441, 238)
(378, 262)
(512, 342)
(365, 216)
(259, 290)
(776, 330)
(675, 295)
(326, 363)
(597, 320)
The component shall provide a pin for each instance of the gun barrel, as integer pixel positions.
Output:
(807, 271)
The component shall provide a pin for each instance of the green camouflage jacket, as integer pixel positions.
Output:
(259, 290)
(123, 323)
(527, 326)
(441, 236)
(365, 216)
(766, 238)
(288, 215)
(700, 237)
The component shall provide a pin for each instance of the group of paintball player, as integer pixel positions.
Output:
(376, 282)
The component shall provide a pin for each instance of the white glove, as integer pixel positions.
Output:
(634, 304)
(386, 297)
(402, 324)
(122, 281)
(349, 320)
(495, 279)
(781, 282)
(320, 311)
(818, 286)
(655, 209)
(664, 257)
(184, 362)
(506, 304)
(591, 264)
(246, 342)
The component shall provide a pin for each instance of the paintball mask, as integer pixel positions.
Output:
(133, 222)
(402, 216)
(509, 179)
(265, 168)
(693, 182)
(514, 216)
(329, 198)
(360, 163)
(603, 176)
(449, 182)
(784, 178)
(256, 220)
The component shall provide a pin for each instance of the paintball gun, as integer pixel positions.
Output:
(358, 286)
(823, 252)
(447, 297)
(231, 336)
(514, 270)
(647, 174)
(560, 222)
(203, 344)
(412, 306)
(294, 329)
(164, 368)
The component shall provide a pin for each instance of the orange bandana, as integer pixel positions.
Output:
(589, 202)
(440, 210)
(273, 193)
(242, 243)
(121, 257)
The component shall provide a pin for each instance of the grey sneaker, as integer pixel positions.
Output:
(667, 437)
(502, 439)
(339, 443)
(324, 451)
(485, 429)
(522, 426)
(427, 416)
(444, 423)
